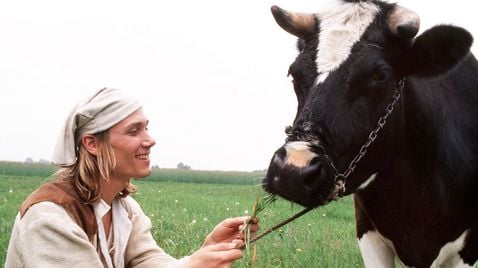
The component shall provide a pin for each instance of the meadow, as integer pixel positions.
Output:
(185, 205)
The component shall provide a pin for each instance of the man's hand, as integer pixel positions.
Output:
(231, 231)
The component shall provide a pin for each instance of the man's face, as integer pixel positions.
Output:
(132, 143)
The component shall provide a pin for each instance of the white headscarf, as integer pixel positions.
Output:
(106, 108)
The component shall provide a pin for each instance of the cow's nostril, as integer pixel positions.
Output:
(281, 152)
(311, 169)
(315, 161)
(311, 173)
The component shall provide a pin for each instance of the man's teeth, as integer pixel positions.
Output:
(142, 156)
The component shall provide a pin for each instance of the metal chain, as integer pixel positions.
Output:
(340, 178)
(374, 133)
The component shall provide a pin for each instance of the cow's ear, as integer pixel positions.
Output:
(438, 50)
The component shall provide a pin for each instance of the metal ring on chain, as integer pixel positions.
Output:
(371, 138)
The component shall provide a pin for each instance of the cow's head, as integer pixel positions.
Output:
(351, 59)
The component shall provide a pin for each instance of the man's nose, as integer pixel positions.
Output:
(148, 141)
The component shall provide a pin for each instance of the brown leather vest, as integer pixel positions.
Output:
(63, 194)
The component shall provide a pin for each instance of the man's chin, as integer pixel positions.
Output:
(143, 174)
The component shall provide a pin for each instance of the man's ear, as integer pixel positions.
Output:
(89, 142)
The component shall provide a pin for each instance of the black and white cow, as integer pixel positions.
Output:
(393, 117)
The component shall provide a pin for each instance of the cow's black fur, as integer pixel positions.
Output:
(426, 157)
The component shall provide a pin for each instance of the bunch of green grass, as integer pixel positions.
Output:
(259, 205)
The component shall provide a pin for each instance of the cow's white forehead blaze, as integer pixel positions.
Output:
(298, 154)
(341, 26)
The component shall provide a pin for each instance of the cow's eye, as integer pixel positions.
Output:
(380, 76)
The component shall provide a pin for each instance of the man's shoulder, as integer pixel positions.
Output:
(47, 210)
(63, 194)
(130, 202)
(58, 193)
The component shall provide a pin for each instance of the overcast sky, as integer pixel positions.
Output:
(211, 74)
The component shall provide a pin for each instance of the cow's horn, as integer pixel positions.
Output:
(298, 24)
(403, 22)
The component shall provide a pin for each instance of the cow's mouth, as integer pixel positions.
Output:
(300, 175)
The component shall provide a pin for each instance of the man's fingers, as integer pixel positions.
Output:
(234, 222)
(229, 251)
(237, 221)
(252, 227)
(222, 246)
(239, 243)
(255, 220)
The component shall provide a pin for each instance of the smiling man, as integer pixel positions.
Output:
(86, 217)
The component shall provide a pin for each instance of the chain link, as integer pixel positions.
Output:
(340, 178)
(372, 136)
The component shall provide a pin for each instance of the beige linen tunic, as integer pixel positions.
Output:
(47, 236)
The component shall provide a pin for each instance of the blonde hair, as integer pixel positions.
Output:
(87, 171)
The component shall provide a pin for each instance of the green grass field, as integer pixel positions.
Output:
(184, 206)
